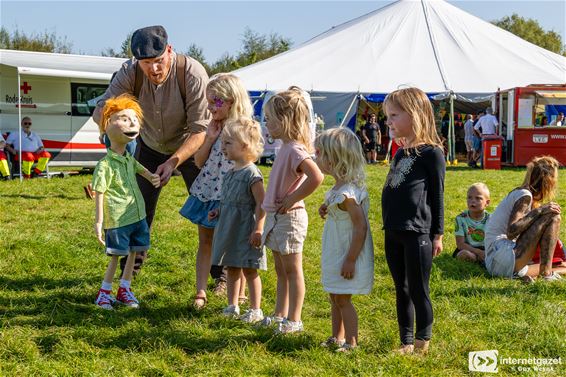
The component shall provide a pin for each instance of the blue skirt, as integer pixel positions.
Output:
(197, 211)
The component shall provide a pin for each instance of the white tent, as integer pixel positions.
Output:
(429, 44)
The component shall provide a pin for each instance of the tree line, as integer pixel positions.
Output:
(255, 46)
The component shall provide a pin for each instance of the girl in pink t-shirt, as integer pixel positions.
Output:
(294, 177)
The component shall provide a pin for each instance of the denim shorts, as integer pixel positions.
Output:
(197, 211)
(125, 239)
(476, 143)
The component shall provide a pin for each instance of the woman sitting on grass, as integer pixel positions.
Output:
(521, 222)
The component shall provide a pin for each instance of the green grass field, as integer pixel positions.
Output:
(51, 267)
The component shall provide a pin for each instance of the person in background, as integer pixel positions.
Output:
(31, 148)
(4, 168)
(469, 138)
(559, 121)
(524, 220)
(371, 135)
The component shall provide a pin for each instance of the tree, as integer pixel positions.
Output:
(125, 49)
(530, 30)
(197, 53)
(43, 42)
(255, 47)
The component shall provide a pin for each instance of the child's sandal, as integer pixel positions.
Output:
(199, 302)
(242, 300)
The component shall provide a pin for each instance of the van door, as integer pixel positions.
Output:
(86, 149)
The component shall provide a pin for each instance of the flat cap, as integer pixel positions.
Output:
(149, 42)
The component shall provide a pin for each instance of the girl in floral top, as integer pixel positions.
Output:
(227, 99)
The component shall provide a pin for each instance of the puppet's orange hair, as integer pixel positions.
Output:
(115, 104)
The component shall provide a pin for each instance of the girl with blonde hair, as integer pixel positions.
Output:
(347, 247)
(294, 176)
(237, 239)
(227, 99)
(413, 212)
(521, 223)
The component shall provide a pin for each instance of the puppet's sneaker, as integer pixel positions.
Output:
(104, 299)
(126, 296)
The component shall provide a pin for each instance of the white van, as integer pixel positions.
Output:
(56, 93)
(271, 146)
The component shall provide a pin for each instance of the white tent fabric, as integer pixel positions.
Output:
(429, 44)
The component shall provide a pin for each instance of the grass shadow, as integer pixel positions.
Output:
(43, 197)
(454, 269)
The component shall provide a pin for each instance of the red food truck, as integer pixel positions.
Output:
(531, 122)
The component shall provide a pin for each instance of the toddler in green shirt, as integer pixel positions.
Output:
(470, 225)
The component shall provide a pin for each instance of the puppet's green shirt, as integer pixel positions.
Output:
(115, 177)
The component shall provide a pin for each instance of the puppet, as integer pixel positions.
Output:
(120, 208)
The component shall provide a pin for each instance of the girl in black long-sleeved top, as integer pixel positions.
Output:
(413, 212)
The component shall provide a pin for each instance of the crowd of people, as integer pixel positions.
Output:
(205, 129)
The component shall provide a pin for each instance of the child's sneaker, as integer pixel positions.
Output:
(231, 311)
(271, 320)
(288, 327)
(333, 342)
(346, 347)
(126, 297)
(252, 316)
(104, 299)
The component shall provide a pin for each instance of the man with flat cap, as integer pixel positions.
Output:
(171, 91)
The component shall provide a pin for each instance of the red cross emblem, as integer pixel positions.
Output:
(25, 87)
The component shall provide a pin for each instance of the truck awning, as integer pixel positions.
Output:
(551, 97)
(553, 94)
(61, 73)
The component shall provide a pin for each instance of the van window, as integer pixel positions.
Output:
(82, 96)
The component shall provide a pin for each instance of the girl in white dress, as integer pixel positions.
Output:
(347, 247)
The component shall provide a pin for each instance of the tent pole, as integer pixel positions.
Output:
(452, 133)
(349, 108)
(20, 126)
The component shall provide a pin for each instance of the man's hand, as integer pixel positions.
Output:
(98, 232)
(164, 171)
(323, 211)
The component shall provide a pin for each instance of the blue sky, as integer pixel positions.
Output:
(217, 26)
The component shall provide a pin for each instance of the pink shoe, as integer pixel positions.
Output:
(104, 299)
(126, 297)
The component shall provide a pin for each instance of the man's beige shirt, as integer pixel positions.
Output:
(167, 123)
